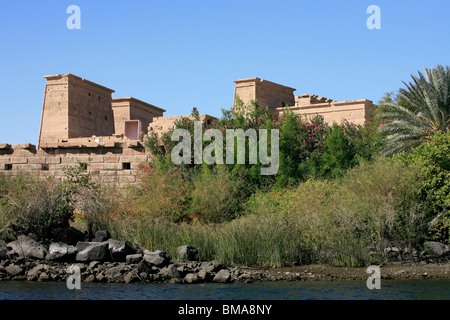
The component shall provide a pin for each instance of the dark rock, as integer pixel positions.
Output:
(157, 258)
(100, 277)
(94, 264)
(143, 276)
(81, 245)
(436, 249)
(187, 253)
(223, 276)
(3, 253)
(14, 270)
(175, 281)
(204, 275)
(133, 258)
(170, 272)
(68, 235)
(83, 267)
(211, 266)
(26, 247)
(115, 274)
(393, 253)
(191, 278)
(43, 277)
(144, 266)
(120, 249)
(101, 236)
(95, 251)
(61, 252)
(131, 277)
(90, 278)
(246, 277)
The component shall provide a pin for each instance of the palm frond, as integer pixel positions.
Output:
(426, 110)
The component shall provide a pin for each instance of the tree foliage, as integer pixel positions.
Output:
(423, 108)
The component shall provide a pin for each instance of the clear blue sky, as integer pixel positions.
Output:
(186, 53)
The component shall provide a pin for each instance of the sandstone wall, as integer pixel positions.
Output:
(356, 111)
(111, 163)
(74, 107)
(267, 93)
(133, 109)
(163, 124)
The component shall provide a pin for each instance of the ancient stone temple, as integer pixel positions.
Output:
(82, 123)
(278, 97)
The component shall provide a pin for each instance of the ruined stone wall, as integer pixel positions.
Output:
(278, 97)
(356, 111)
(163, 124)
(114, 164)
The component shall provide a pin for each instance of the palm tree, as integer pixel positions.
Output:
(423, 109)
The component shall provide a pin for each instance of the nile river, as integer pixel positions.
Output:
(342, 290)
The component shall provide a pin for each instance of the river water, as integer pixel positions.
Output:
(342, 290)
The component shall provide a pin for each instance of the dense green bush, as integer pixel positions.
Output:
(308, 147)
(163, 192)
(42, 206)
(432, 160)
(217, 195)
(342, 220)
(94, 204)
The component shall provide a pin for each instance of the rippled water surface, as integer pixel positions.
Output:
(354, 290)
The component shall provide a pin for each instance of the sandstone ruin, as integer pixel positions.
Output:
(81, 122)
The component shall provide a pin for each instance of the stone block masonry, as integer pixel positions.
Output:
(115, 165)
(82, 122)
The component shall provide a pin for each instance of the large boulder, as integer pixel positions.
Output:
(211, 266)
(61, 252)
(25, 247)
(3, 253)
(157, 258)
(133, 258)
(92, 251)
(223, 276)
(68, 235)
(191, 278)
(187, 253)
(14, 270)
(34, 273)
(170, 272)
(143, 266)
(101, 236)
(131, 277)
(120, 249)
(115, 274)
(436, 249)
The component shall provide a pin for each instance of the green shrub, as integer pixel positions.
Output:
(34, 205)
(308, 146)
(162, 192)
(433, 162)
(341, 221)
(216, 195)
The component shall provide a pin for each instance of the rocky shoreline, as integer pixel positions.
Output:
(108, 260)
